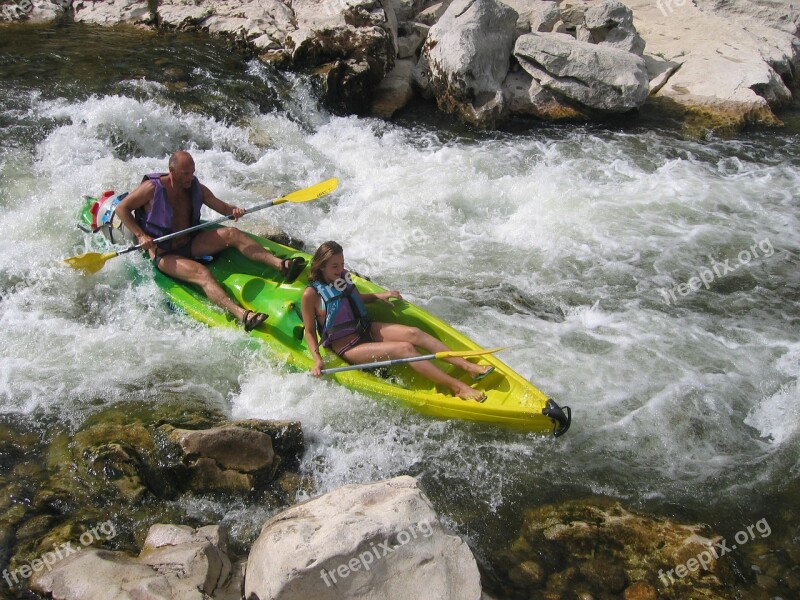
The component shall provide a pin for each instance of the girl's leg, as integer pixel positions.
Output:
(375, 351)
(392, 332)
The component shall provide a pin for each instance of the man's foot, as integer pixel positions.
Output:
(251, 320)
(292, 267)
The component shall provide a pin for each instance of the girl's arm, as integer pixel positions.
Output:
(383, 296)
(308, 308)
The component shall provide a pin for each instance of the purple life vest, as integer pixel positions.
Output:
(157, 221)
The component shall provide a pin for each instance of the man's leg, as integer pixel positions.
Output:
(216, 240)
(191, 271)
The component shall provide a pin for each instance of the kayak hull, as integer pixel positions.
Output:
(511, 402)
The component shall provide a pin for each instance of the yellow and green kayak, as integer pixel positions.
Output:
(512, 401)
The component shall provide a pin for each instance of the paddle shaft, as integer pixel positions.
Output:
(170, 236)
(382, 363)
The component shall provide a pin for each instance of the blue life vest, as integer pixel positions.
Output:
(158, 220)
(345, 313)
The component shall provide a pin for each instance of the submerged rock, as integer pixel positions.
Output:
(597, 547)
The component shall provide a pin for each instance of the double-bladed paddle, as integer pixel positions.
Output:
(410, 359)
(92, 262)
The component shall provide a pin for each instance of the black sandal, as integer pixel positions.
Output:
(251, 319)
(292, 267)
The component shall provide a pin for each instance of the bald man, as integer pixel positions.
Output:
(167, 202)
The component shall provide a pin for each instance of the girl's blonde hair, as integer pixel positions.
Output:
(324, 253)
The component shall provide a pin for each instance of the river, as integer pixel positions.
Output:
(647, 280)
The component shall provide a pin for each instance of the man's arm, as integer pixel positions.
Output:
(136, 199)
(223, 208)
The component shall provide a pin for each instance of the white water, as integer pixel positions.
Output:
(557, 243)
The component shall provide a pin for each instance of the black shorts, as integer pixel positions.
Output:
(184, 250)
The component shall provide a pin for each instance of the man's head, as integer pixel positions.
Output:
(181, 169)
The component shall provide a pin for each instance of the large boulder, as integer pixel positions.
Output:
(600, 78)
(771, 13)
(352, 45)
(379, 541)
(731, 70)
(467, 53)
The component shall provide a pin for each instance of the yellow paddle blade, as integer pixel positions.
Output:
(463, 353)
(90, 262)
(310, 193)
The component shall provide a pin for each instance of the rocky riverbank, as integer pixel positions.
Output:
(102, 512)
(708, 64)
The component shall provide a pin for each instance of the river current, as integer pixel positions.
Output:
(647, 280)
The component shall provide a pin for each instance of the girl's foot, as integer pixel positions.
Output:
(467, 393)
(479, 373)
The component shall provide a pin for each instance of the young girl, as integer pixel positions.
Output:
(333, 306)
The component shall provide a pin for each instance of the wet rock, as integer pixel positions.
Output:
(364, 540)
(467, 53)
(640, 590)
(395, 91)
(598, 547)
(528, 574)
(234, 448)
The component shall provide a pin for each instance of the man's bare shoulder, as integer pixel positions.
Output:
(141, 194)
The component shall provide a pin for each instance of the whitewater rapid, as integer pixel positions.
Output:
(557, 242)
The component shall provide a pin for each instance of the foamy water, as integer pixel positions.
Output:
(573, 246)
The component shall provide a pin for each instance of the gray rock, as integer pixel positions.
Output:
(406, 9)
(770, 13)
(526, 97)
(611, 24)
(534, 15)
(379, 541)
(467, 53)
(432, 12)
(731, 69)
(112, 12)
(409, 43)
(176, 563)
(395, 90)
(601, 78)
